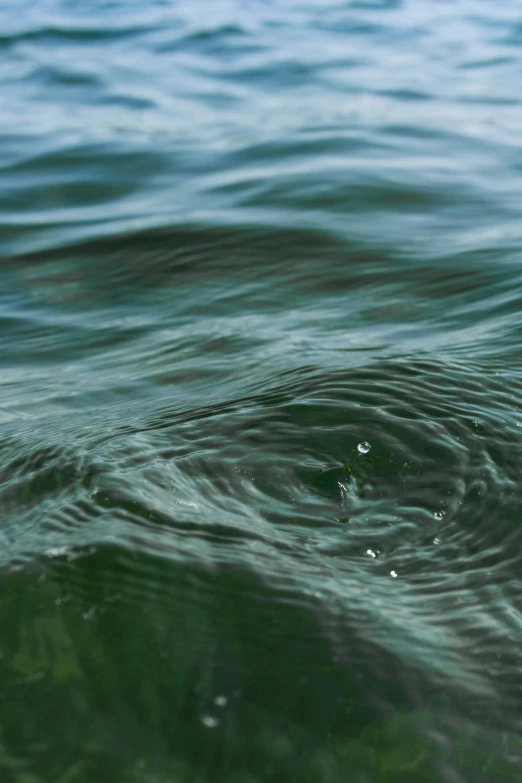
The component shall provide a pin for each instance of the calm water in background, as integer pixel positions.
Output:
(239, 239)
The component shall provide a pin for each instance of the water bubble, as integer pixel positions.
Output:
(209, 721)
(220, 701)
(371, 553)
(364, 447)
(439, 516)
(394, 574)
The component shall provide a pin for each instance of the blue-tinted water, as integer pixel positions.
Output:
(239, 240)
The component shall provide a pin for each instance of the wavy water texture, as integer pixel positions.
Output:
(237, 242)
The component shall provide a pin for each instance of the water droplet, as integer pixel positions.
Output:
(439, 516)
(209, 721)
(364, 447)
(394, 574)
(220, 701)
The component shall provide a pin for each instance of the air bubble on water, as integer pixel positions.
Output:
(364, 447)
(209, 721)
(394, 574)
(371, 553)
(439, 516)
(221, 701)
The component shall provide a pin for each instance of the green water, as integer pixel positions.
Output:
(238, 241)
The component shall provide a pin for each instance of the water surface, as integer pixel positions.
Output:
(239, 240)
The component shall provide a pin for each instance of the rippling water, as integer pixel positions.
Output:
(239, 240)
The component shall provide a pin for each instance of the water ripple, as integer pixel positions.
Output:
(238, 242)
